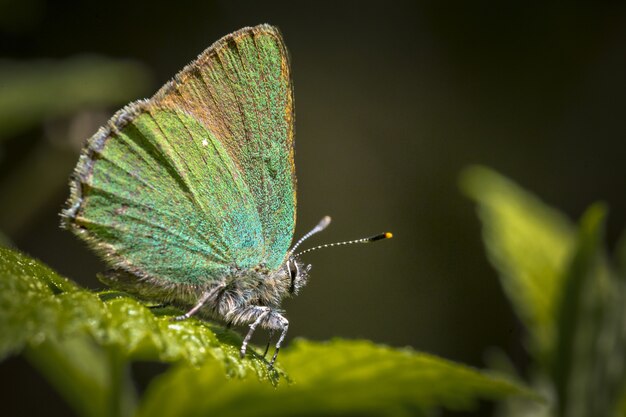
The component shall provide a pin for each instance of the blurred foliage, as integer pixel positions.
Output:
(335, 378)
(83, 343)
(31, 92)
(66, 98)
(530, 245)
(569, 294)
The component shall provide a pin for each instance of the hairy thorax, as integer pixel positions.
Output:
(257, 286)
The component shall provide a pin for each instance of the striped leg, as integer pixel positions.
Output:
(262, 313)
(266, 317)
(284, 326)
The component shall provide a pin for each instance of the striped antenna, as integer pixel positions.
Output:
(323, 224)
(386, 235)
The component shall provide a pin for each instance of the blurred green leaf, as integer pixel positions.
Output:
(340, 377)
(95, 381)
(578, 309)
(588, 369)
(579, 322)
(31, 92)
(499, 361)
(529, 244)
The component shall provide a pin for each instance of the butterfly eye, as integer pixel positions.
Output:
(292, 266)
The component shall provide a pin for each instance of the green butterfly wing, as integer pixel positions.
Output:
(199, 180)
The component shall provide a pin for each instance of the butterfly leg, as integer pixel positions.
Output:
(269, 318)
(262, 313)
(269, 340)
(283, 325)
(206, 296)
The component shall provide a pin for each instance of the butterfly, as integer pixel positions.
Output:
(190, 196)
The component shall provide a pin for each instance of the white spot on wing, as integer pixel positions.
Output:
(205, 142)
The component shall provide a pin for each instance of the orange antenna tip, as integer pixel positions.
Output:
(386, 235)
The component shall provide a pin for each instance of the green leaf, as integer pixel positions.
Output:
(529, 244)
(333, 378)
(82, 341)
(588, 369)
(26, 293)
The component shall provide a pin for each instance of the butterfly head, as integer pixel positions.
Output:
(298, 274)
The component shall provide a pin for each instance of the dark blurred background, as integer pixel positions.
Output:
(393, 99)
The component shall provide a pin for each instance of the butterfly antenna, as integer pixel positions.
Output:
(323, 224)
(386, 235)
